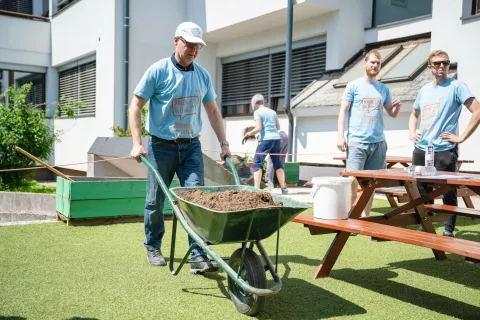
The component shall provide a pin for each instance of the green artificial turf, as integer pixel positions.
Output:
(51, 271)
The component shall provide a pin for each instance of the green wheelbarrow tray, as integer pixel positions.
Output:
(247, 284)
(217, 227)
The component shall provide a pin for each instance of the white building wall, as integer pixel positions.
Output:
(399, 29)
(84, 29)
(24, 42)
(459, 38)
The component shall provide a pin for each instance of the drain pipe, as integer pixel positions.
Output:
(126, 26)
(288, 67)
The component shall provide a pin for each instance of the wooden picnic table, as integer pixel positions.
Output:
(391, 226)
(404, 161)
(399, 193)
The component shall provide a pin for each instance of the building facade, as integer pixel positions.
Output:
(97, 51)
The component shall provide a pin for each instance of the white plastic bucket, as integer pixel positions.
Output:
(331, 197)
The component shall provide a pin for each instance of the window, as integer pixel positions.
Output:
(388, 11)
(37, 92)
(265, 74)
(80, 83)
(20, 6)
(410, 66)
(475, 7)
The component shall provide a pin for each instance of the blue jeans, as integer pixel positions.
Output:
(186, 161)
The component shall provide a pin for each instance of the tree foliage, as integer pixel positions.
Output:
(25, 125)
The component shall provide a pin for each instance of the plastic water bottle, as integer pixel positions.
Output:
(429, 169)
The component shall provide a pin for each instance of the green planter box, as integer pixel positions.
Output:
(89, 198)
(292, 173)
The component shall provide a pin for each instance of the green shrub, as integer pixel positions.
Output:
(120, 132)
(24, 125)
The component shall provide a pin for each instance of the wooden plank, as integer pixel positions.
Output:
(439, 208)
(82, 209)
(92, 190)
(461, 247)
(85, 209)
(102, 221)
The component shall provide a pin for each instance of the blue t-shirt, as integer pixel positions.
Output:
(440, 108)
(269, 123)
(175, 98)
(365, 119)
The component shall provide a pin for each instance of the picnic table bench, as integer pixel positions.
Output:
(392, 225)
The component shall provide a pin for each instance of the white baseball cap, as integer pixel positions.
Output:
(191, 32)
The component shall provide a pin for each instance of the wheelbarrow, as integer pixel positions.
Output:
(247, 282)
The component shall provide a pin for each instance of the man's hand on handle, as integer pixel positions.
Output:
(225, 152)
(137, 151)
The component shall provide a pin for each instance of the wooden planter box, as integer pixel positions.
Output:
(93, 198)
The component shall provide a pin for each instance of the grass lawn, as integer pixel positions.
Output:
(51, 271)
(31, 186)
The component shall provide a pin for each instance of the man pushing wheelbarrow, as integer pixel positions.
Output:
(175, 88)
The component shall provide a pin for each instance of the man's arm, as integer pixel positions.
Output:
(473, 106)
(412, 125)
(278, 124)
(393, 108)
(135, 122)
(216, 122)
(342, 115)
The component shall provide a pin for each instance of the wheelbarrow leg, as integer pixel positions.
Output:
(172, 250)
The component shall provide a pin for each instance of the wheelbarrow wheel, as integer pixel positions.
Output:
(252, 272)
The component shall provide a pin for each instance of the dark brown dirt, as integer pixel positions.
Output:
(229, 200)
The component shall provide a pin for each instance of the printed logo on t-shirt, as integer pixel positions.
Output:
(185, 106)
(429, 113)
(370, 105)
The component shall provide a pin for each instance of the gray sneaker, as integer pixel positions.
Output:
(200, 264)
(155, 258)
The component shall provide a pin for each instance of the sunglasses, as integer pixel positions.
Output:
(437, 64)
(191, 45)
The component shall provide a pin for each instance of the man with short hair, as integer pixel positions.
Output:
(175, 88)
(363, 102)
(439, 103)
(266, 122)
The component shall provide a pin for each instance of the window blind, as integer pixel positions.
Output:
(80, 83)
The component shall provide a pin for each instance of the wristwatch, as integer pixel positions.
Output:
(224, 143)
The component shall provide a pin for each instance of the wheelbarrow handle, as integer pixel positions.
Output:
(236, 180)
(164, 187)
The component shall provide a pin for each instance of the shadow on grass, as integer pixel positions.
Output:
(449, 270)
(298, 299)
(12, 318)
(380, 281)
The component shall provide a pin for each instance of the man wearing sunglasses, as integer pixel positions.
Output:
(175, 88)
(439, 104)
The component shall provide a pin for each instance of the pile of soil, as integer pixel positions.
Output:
(232, 200)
